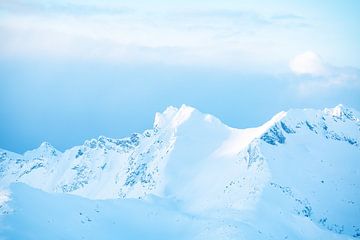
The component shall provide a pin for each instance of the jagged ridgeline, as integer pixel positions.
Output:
(302, 162)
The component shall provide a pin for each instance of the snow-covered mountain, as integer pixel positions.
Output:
(302, 166)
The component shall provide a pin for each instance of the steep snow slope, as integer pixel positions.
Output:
(314, 160)
(301, 167)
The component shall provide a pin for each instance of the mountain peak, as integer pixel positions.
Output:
(45, 145)
(173, 116)
(340, 111)
(44, 150)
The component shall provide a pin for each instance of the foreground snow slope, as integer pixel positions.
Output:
(301, 167)
(36, 215)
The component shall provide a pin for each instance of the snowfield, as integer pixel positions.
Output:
(192, 177)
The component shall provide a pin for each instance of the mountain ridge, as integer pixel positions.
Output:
(339, 111)
(297, 159)
(169, 124)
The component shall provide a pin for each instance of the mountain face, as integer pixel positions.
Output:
(302, 166)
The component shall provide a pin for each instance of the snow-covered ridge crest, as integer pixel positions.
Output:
(173, 117)
(185, 145)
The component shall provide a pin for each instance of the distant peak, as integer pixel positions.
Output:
(340, 106)
(171, 110)
(45, 149)
(182, 115)
(45, 145)
(185, 107)
(340, 111)
(173, 116)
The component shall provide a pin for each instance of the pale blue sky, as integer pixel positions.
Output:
(73, 70)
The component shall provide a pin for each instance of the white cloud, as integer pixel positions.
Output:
(313, 75)
(308, 63)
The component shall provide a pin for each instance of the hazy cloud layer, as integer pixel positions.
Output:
(128, 33)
